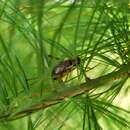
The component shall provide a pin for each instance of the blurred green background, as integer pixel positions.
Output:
(35, 35)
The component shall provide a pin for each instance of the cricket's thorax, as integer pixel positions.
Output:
(63, 67)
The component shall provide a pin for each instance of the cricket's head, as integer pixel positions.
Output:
(76, 61)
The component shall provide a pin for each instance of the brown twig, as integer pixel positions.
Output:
(69, 92)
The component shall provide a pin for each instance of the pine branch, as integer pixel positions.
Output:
(69, 92)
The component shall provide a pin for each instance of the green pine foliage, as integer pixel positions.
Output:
(37, 35)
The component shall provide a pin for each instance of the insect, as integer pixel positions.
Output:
(64, 67)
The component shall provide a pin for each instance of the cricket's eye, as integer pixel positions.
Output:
(70, 62)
